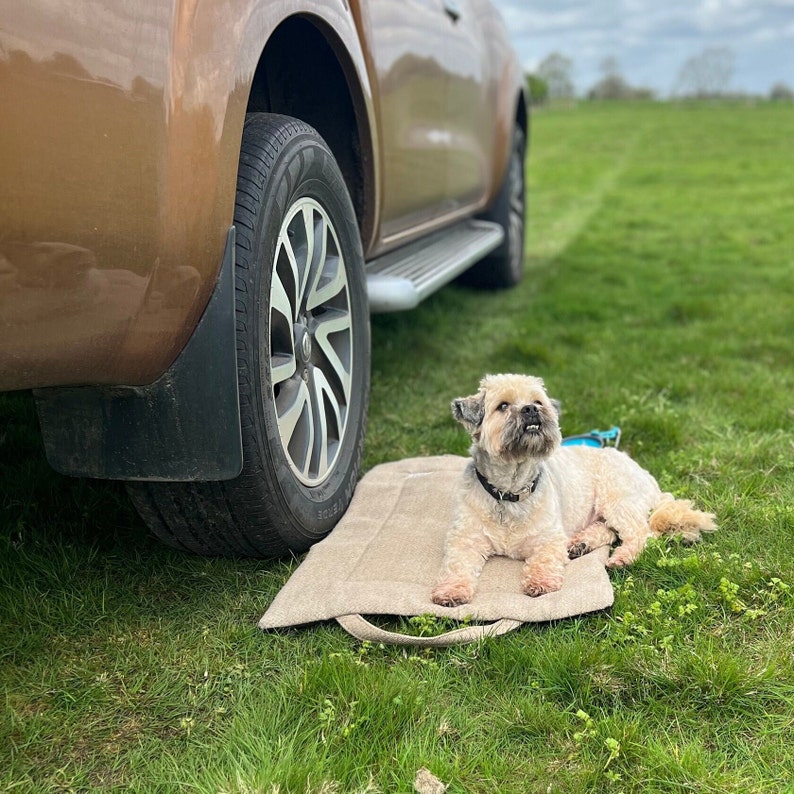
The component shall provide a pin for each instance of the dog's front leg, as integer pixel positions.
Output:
(544, 567)
(464, 558)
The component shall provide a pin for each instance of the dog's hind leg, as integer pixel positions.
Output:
(627, 552)
(592, 537)
(630, 524)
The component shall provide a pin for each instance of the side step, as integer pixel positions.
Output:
(403, 278)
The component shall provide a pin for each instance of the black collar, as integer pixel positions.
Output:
(507, 496)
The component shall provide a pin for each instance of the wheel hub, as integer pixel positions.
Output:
(303, 343)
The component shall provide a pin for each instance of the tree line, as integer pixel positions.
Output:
(703, 76)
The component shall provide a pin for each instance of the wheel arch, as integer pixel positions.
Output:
(522, 113)
(306, 71)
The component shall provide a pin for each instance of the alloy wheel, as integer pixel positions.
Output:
(311, 342)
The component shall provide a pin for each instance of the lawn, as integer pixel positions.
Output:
(659, 296)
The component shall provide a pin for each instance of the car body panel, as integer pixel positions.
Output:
(125, 133)
(415, 49)
(445, 97)
(119, 149)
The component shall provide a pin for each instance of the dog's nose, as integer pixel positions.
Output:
(529, 411)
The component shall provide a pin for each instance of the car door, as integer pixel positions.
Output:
(417, 51)
(474, 63)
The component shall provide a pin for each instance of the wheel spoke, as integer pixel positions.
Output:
(336, 349)
(516, 225)
(279, 300)
(294, 412)
(328, 421)
(517, 205)
(282, 353)
(517, 194)
(329, 276)
(330, 281)
(320, 423)
(282, 367)
(305, 266)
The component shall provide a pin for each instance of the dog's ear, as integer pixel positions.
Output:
(557, 406)
(469, 411)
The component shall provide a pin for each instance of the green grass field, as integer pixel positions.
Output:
(659, 295)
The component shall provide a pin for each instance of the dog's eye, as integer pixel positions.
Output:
(503, 406)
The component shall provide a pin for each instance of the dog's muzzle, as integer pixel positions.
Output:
(531, 419)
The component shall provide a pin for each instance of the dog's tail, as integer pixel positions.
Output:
(679, 517)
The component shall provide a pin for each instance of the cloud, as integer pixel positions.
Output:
(651, 40)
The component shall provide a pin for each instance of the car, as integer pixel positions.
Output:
(201, 205)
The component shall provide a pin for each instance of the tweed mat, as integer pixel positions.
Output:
(384, 557)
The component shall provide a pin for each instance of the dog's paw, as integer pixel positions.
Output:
(618, 560)
(538, 586)
(452, 594)
(578, 549)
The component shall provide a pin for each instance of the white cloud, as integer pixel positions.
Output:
(651, 40)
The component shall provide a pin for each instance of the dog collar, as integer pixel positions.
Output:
(507, 496)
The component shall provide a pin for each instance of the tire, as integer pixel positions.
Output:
(303, 357)
(504, 266)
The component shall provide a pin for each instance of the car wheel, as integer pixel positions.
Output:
(303, 358)
(504, 267)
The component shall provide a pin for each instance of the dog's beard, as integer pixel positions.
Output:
(524, 438)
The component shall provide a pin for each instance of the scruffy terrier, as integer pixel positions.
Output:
(524, 496)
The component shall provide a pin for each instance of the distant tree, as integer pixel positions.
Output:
(538, 89)
(707, 74)
(780, 92)
(613, 86)
(646, 94)
(609, 67)
(555, 70)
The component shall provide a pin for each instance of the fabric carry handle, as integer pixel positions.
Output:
(362, 629)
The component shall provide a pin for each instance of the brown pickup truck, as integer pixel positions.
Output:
(200, 205)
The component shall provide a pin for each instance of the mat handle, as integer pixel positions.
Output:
(362, 629)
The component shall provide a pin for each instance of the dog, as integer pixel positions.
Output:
(525, 496)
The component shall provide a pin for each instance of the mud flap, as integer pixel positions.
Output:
(183, 427)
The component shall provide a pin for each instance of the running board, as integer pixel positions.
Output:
(403, 278)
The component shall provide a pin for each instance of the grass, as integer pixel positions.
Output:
(659, 295)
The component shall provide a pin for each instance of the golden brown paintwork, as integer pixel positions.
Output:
(119, 141)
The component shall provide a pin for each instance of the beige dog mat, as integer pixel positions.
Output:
(385, 554)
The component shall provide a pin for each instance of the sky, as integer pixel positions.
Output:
(651, 39)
